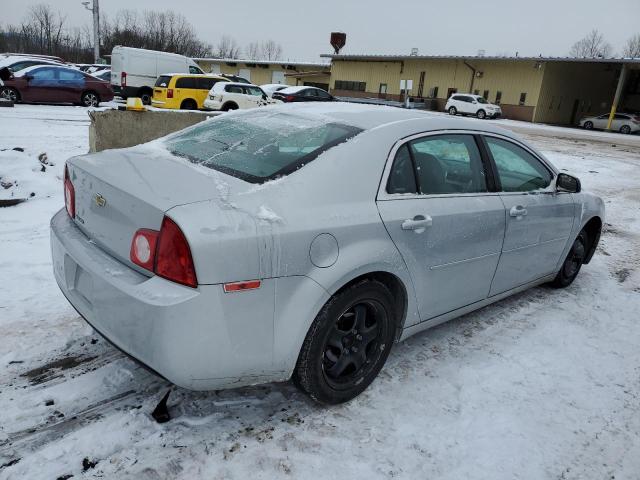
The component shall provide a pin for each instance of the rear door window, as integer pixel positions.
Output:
(518, 170)
(258, 146)
(186, 82)
(163, 81)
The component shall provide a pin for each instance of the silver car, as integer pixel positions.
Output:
(304, 240)
(622, 122)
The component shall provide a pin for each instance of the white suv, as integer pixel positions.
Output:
(468, 104)
(235, 95)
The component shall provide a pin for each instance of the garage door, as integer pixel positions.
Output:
(278, 77)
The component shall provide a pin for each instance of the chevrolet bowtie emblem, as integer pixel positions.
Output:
(100, 200)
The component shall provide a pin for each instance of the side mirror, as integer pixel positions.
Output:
(264, 96)
(475, 101)
(567, 183)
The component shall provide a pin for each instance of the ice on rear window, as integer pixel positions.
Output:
(258, 146)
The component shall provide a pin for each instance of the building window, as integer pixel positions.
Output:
(383, 88)
(523, 98)
(485, 94)
(433, 93)
(348, 85)
(498, 97)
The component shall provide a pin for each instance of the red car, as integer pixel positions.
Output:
(54, 84)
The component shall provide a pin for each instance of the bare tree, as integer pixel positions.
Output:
(271, 50)
(593, 45)
(227, 48)
(632, 47)
(253, 51)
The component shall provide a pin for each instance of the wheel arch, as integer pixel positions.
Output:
(228, 105)
(18, 94)
(186, 100)
(593, 227)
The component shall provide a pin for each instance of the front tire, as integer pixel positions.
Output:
(572, 264)
(188, 105)
(10, 94)
(452, 110)
(626, 129)
(588, 125)
(90, 99)
(481, 114)
(347, 344)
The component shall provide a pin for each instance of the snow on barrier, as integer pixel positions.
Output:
(120, 129)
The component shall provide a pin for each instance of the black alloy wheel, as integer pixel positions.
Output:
(573, 262)
(348, 343)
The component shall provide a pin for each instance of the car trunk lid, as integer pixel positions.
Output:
(118, 192)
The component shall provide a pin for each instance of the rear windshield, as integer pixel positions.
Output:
(163, 81)
(258, 146)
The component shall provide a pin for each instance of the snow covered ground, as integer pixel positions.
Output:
(544, 385)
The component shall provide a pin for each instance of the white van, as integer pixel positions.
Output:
(134, 70)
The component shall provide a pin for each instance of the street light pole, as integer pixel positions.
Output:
(96, 28)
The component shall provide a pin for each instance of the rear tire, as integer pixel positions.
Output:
(188, 105)
(453, 111)
(229, 106)
(572, 264)
(90, 99)
(10, 94)
(347, 344)
(626, 129)
(145, 95)
(481, 114)
(588, 125)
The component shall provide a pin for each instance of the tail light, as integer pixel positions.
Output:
(123, 79)
(166, 253)
(170, 93)
(69, 194)
(289, 98)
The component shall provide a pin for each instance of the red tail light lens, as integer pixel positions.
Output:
(143, 248)
(69, 194)
(173, 255)
(170, 93)
(166, 253)
(123, 79)
(289, 98)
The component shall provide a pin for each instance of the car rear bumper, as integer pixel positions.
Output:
(212, 104)
(199, 339)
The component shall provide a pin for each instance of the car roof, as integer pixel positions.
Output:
(58, 67)
(196, 75)
(274, 85)
(368, 117)
(295, 89)
(11, 59)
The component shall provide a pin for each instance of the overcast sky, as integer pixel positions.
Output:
(460, 27)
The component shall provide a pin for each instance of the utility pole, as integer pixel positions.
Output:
(95, 9)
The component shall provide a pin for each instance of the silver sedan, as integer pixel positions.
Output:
(305, 240)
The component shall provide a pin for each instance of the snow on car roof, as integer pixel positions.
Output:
(11, 59)
(33, 67)
(294, 89)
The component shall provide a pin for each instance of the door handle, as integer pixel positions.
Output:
(418, 223)
(518, 211)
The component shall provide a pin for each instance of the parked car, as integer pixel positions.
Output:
(184, 92)
(303, 94)
(15, 63)
(233, 96)
(322, 235)
(56, 84)
(467, 104)
(271, 88)
(103, 75)
(622, 122)
(134, 70)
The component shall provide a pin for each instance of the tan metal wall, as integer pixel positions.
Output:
(261, 75)
(592, 85)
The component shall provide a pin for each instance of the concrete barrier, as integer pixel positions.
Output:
(120, 129)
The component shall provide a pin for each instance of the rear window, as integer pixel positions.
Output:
(163, 81)
(258, 146)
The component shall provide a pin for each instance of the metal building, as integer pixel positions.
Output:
(262, 72)
(538, 89)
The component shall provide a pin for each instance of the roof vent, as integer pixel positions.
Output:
(338, 41)
(414, 52)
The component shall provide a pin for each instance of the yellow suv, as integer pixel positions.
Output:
(183, 91)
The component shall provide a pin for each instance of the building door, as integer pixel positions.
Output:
(451, 91)
(574, 111)
(278, 77)
(382, 90)
(421, 84)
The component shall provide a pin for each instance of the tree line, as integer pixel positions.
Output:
(45, 31)
(594, 45)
